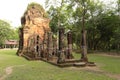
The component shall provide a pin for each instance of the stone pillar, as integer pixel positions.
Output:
(61, 56)
(21, 38)
(4, 45)
(49, 46)
(21, 42)
(55, 47)
(44, 49)
(84, 47)
(69, 40)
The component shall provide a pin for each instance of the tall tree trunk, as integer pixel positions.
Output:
(84, 47)
(69, 39)
(83, 42)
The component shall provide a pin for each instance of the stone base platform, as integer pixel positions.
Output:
(66, 63)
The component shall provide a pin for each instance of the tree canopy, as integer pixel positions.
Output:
(102, 23)
(6, 32)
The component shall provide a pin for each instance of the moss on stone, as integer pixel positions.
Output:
(37, 6)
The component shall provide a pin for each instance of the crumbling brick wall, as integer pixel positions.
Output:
(33, 23)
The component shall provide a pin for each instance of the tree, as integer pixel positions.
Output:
(118, 7)
(14, 35)
(5, 31)
(59, 14)
(81, 10)
(101, 22)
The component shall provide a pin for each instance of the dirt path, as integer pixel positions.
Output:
(96, 70)
(8, 71)
(110, 55)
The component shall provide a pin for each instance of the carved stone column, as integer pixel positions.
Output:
(69, 39)
(84, 47)
(61, 56)
(44, 50)
(49, 46)
(20, 48)
(55, 47)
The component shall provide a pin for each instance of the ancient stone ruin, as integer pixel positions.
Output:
(33, 31)
(36, 41)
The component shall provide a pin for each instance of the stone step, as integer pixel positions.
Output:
(91, 64)
(79, 64)
(71, 61)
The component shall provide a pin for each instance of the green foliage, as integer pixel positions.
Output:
(102, 23)
(59, 15)
(14, 35)
(102, 31)
(118, 6)
(5, 31)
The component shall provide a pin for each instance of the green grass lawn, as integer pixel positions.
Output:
(106, 62)
(38, 70)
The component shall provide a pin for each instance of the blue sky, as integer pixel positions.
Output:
(12, 10)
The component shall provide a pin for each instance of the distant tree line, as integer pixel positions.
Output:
(7, 32)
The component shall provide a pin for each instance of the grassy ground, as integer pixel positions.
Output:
(23, 69)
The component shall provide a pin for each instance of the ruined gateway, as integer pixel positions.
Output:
(36, 40)
(33, 31)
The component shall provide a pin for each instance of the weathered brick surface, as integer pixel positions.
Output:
(34, 26)
(34, 23)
